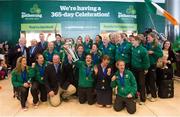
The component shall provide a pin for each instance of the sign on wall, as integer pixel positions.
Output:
(72, 19)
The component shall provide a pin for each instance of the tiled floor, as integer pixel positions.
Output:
(11, 107)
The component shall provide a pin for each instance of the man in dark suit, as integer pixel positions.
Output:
(56, 84)
(42, 45)
(19, 50)
(33, 51)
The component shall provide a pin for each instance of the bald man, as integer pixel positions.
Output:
(49, 52)
(58, 87)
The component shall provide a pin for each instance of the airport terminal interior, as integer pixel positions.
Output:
(89, 58)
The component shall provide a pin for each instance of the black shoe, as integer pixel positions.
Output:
(63, 98)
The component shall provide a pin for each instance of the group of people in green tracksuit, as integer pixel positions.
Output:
(122, 68)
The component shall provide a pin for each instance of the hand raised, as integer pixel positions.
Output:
(95, 69)
(109, 71)
(113, 78)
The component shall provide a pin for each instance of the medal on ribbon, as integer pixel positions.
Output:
(88, 71)
(121, 81)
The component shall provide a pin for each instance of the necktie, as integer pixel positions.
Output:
(42, 45)
(56, 67)
(32, 51)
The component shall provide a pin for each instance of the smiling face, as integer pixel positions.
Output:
(22, 41)
(118, 38)
(88, 59)
(134, 42)
(112, 37)
(80, 49)
(58, 38)
(150, 39)
(87, 38)
(78, 41)
(23, 62)
(167, 44)
(41, 37)
(97, 39)
(33, 42)
(51, 46)
(40, 59)
(106, 62)
(106, 40)
(94, 48)
(56, 59)
(121, 66)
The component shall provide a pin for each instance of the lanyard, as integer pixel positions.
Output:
(104, 71)
(42, 45)
(88, 71)
(121, 48)
(24, 76)
(121, 80)
(148, 46)
(95, 58)
(50, 56)
(32, 50)
(41, 70)
(105, 49)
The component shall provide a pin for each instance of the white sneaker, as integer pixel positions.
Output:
(148, 96)
(36, 105)
(25, 109)
(141, 103)
(153, 99)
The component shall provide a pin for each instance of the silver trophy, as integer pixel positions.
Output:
(68, 47)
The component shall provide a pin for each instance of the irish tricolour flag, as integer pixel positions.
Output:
(155, 8)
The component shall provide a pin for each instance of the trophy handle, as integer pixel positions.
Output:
(70, 51)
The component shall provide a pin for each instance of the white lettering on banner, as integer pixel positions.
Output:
(67, 8)
(79, 8)
(60, 14)
(66, 14)
(88, 14)
(88, 8)
(64, 8)
(121, 15)
(28, 15)
(80, 11)
(79, 14)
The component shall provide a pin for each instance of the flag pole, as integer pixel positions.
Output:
(152, 21)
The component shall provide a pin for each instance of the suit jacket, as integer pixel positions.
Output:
(40, 48)
(32, 56)
(15, 54)
(53, 80)
(103, 81)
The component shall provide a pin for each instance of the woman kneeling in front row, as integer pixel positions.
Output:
(126, 88)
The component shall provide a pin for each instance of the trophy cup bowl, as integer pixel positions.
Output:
(69, 50)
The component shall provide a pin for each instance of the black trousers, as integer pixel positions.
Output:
(23, 95)
(86, 94)
(140, 79)
(151, 81)
(36, 89)
(122, 102)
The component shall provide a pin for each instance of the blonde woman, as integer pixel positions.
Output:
(21, 80)
(154, 52)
